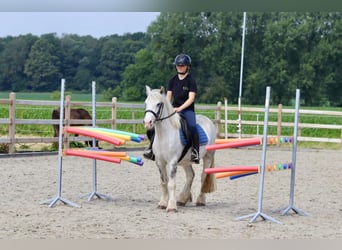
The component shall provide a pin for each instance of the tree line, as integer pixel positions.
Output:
(284, 50)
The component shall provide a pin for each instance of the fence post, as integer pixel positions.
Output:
(280, 113)
(11, 126)
(299, 128)
(218, 118)
(67, 107)
(226, 131)
(134, 124)
(114, 110)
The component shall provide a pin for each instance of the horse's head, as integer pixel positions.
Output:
(158, 108)
(154, 105)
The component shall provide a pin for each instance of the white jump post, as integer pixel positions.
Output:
(293, 169)
(262, 168)
(59, 197)
(94, 193)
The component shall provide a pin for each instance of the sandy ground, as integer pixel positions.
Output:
(133, 214)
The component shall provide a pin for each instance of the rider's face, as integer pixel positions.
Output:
(182, 68)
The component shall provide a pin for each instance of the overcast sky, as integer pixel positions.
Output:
(96, 24)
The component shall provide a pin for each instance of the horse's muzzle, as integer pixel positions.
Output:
(148, 124)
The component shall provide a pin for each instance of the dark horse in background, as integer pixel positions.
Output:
(78, 114)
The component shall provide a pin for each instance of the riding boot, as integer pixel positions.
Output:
(195, 148)
(149, 152)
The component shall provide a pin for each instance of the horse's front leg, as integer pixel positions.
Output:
(163, 183)
(171, 186)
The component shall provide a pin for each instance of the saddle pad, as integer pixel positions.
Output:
(203, 139)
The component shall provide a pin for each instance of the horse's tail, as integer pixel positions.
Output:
(209, 184)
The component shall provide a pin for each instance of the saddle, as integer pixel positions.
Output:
(186, 139)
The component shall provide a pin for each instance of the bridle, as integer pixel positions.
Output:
(159, 112)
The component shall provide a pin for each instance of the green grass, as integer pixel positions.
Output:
(288, 118)
(39, 112)
(81, 97)
(44, 112)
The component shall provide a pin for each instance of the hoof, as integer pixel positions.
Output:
(161, 207)
(200, 204)
(172, 210)
(182, 204)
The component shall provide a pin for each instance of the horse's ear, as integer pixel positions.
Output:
(162, 90)
(148, 90)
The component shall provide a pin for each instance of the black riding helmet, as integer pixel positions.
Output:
(182, 59)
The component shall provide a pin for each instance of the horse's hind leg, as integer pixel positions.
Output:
(208, 180)
(185, 195)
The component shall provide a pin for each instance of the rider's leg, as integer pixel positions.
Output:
(191, 121)
(149, 152)
(195, 148)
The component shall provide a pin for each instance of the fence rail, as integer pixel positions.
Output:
(216, 111)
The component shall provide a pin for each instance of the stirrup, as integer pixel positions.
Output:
(149, 155)
(195, 157)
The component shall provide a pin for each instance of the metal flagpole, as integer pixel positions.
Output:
(241, 73)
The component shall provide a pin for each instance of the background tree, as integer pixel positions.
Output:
(43, 66)
(12, 60)
(284, 50)
(79, 60)
(139, 74)
(117, 52)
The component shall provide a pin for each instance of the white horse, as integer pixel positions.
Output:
(168, 147)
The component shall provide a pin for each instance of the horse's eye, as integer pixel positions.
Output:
(159, 104)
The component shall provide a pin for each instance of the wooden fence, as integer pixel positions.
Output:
(215, 111)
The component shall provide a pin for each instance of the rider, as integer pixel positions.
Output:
(182, 88)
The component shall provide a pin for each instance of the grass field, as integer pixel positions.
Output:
(82, 97)
(39, 112)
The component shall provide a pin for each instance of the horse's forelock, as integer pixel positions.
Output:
(154, 96)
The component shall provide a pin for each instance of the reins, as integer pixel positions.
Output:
(166, 117)
(159, 113)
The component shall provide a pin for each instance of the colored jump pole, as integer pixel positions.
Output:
(95, 193)
(59, 197)
(91, 155)
(234, 173)
(293, 169)
(233, 177)
(271, 140)
(87, 132)
(262, 168)
(235, 144)
(231, 169)
(131, 136)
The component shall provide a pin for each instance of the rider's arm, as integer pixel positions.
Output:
(187, 103)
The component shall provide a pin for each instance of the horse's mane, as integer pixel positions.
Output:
(161, 97)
